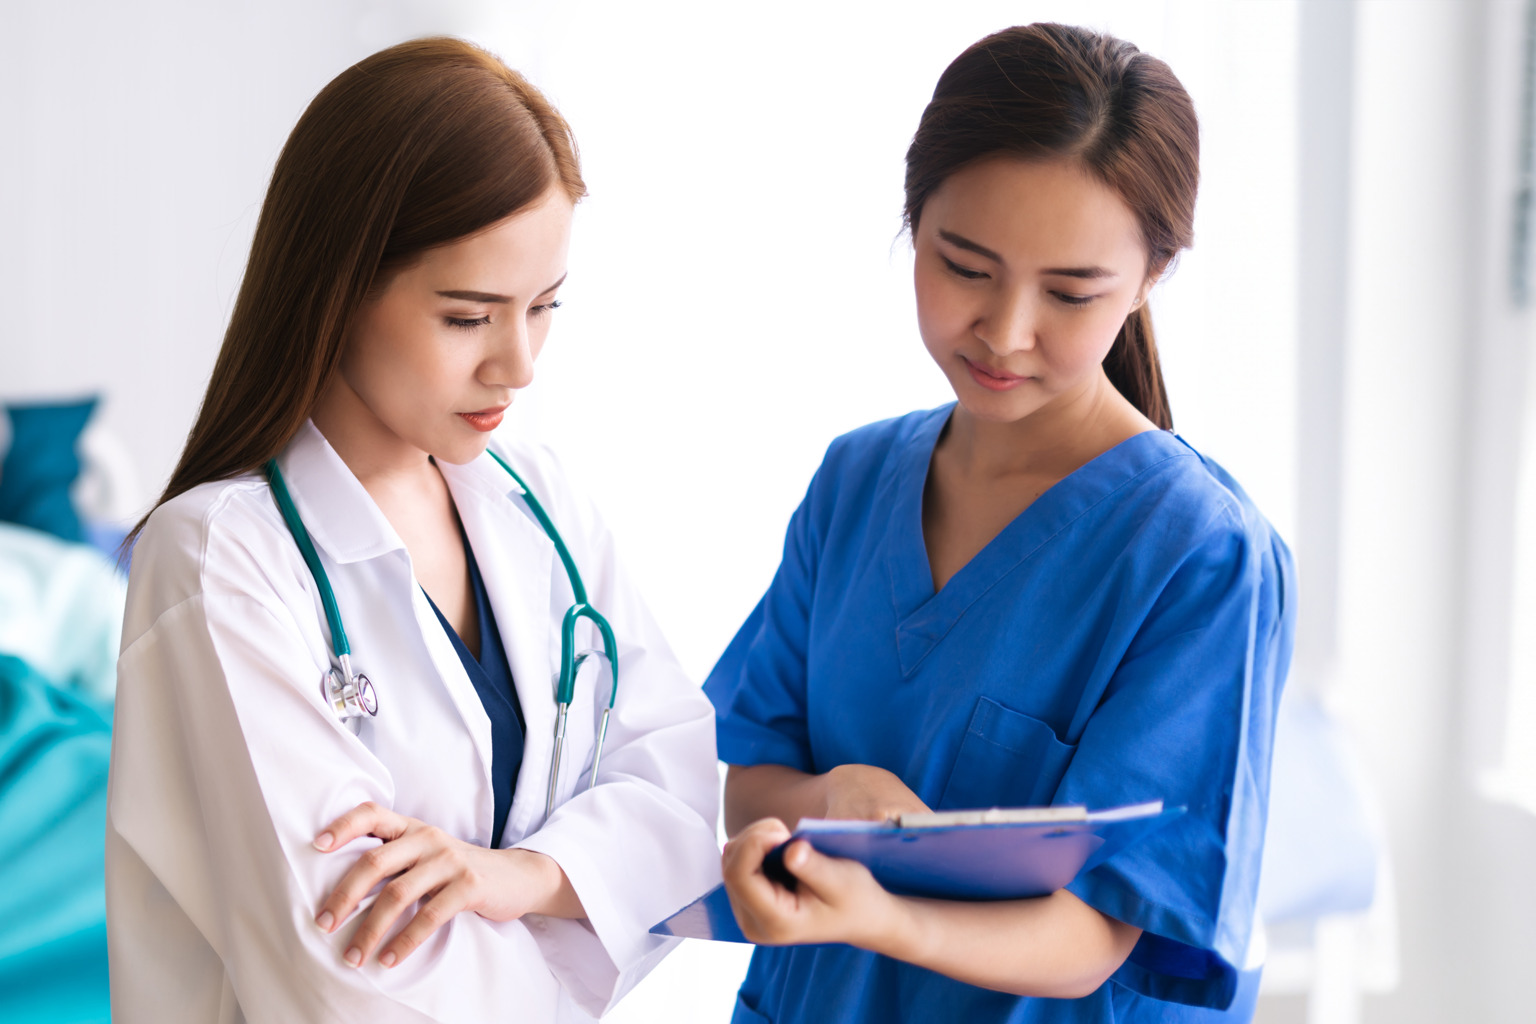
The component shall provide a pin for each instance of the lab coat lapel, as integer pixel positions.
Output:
(337, 510)
(517, 562)
(462, 691)
(348, 527)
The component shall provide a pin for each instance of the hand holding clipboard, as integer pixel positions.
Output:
(996, 854)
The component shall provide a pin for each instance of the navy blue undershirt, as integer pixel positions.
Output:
(492, 675)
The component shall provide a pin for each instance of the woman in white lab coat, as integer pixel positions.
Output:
(401, 280)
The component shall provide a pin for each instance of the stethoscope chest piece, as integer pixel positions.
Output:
(349, 696)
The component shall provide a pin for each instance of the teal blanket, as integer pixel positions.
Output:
(53, 807)
(61, 610)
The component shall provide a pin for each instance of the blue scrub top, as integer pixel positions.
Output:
(1124, 639)
(491, 674)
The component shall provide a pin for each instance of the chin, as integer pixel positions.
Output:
(992, 407)
(459, 451)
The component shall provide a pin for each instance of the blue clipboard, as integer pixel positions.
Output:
(954, 855)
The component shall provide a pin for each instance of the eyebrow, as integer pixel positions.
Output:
(1086, 273)
(1083, 272)
(961, 242)
(473, 296)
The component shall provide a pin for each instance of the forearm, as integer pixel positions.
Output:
(1055, 947)
(760, 791)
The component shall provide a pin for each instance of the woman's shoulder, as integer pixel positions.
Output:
(1190, 483)
(194, 540)
(875, 443)
(1188, 507)
(856, 461)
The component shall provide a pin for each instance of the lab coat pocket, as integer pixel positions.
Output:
(1007, 759)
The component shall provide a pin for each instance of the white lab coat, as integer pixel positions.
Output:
(226, 762)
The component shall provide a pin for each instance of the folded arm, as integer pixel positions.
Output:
(419, 862)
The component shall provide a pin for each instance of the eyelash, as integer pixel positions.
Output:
(975, 275)
(963, 272)
(469, 325)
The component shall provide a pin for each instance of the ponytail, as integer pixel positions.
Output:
(1133, 368)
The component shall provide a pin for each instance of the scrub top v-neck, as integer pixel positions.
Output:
(1124, 639)
(491, 674)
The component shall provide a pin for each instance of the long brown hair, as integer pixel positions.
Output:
(1049, 91)
(414, 147)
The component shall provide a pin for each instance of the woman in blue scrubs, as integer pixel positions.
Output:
(1038, 594)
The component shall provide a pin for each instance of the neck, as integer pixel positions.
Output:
(378, 457)
(1053, 440)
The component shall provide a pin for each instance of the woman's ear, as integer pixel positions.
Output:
(1142, 293)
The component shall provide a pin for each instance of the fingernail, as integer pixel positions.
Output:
(323, 841)
(388, 959)
(325, 920)
(354, 956)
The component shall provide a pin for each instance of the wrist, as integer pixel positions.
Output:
(549, 890)
(537, 876)
(897, 931)
(828, 781)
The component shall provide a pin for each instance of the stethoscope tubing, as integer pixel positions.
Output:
(354, 696)
(295, 524)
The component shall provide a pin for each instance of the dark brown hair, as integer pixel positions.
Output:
(1055, 91)
(409, 149)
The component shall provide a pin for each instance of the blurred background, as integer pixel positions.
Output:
(1350, 336)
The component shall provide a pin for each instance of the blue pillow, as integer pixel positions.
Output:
(41, 466)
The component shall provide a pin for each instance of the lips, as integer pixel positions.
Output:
(994, 380)
(485, 419)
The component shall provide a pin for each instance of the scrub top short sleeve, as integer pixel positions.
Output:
(1188, 715)
(767, 692)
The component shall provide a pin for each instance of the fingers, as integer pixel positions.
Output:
(840, 899)
(827, 878)
(429, 875)
(761, 906)
(835, 900)
(436, 912)
(367, 819)
(372, 868)
(744, 853)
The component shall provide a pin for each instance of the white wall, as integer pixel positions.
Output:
(136, 140)
(1427, 501)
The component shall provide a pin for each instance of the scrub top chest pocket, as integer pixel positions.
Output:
(1006, 759)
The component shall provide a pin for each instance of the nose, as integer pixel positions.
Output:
(1007, 323)
(509, 360)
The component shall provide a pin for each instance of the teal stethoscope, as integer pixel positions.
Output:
(350, 695)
